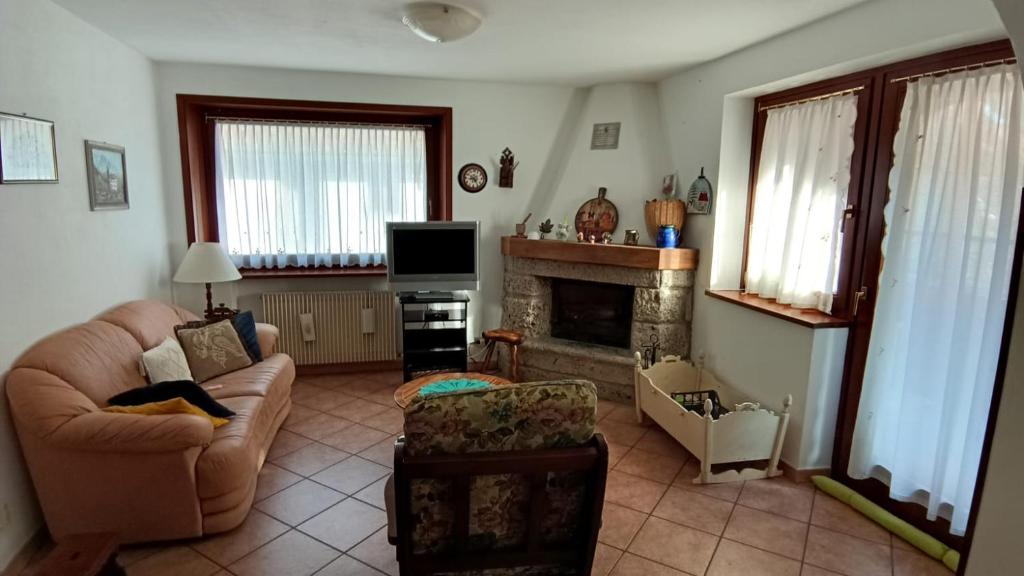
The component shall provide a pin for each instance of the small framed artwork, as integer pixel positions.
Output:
(28, 153)
(107, 174)
(605, 136)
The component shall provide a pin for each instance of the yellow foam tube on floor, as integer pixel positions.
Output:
(919, 539)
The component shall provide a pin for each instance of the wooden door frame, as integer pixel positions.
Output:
(867, 265)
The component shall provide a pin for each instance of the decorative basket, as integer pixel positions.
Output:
(663, 212)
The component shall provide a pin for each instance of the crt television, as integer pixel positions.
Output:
(433, 256)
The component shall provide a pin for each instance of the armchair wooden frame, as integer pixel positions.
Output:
(590, 459)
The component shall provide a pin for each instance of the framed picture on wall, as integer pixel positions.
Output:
(107, 175)
(28, 153)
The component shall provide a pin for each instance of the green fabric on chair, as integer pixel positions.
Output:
(881, 516)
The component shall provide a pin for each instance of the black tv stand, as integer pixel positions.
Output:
(434, 328)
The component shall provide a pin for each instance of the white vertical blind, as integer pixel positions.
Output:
(951, 220)
(316, 194)
(802, 182)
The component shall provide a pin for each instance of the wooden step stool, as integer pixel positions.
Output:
(510, 337)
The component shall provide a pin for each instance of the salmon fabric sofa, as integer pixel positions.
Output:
(145, 478)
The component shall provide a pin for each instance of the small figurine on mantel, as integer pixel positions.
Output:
(562, 233)
(545, 228)
(508, 167)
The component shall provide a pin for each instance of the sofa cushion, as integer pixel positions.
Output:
(148, 321)
(166, 362)
(213, 349)
(96, 358)
(233, 456)
(271, 378)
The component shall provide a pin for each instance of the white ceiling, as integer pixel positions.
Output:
(562, 41)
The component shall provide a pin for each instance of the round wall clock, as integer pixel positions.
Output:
(472, 178)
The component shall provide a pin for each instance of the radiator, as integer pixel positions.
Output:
(338, 326)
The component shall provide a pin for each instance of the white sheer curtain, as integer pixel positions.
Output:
(316, 194)
(802, 182)
(952, 220)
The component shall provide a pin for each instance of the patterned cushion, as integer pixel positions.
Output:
(537, 415)
(212, 350)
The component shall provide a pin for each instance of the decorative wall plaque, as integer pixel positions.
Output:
(606, 136)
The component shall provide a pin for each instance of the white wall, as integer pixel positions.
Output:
(547, 127)
(708, 115)
(997, 535)
(61, 263)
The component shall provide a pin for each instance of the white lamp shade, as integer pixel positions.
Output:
(437, 22)
(206, 262)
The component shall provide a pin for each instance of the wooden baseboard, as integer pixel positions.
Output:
(802, 475)
(348, 368)
(28, 552)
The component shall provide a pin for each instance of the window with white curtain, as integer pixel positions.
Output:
(803, 176)
(315, 194)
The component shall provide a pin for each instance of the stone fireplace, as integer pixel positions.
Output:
(585, 319)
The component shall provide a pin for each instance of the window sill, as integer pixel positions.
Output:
(801, 316)
(296, 272)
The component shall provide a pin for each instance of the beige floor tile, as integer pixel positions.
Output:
(625, 413)
(660, 442)
(767, 531)
(225, 548)
(303, 394)
(132, 553)
(351, 475)
(298, 414)
(311, 459)
(374, 493)
(331, 399)
(847, 555)
(633, 492)
(615, 453)
(293, 554)
(345, 524)
(604, 408)
(273, 479)
(376, 552)
(286, 442)
(808, 570)
(299, 502)
(364, 387)
(916, 563)
(778, 496)
(382, 453)
(838, 517)
(391, 421)
(677, 546)
(358, 410)
(320, 426)
(729, 491)
(633, 565)
(174, 561)
(355, 438)
(902, 544)
(694, 510)
(619, 524)
(620, 432)
(384, 396)
(393, 378)
(605, 558)
(735, 559)
(326, 381)
(650, 465)
(348, 566)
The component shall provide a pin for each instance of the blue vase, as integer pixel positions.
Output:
(668, 236)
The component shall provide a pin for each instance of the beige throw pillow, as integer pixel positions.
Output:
(213, 350)
(166, 362)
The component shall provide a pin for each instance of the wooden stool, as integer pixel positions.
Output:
(510, 337)
(83, 555)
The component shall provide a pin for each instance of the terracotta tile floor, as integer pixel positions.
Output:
(320, 509)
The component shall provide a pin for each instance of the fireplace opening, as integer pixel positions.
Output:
(591, 312)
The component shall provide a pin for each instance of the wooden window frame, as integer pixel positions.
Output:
(196, 137)
(863, 83)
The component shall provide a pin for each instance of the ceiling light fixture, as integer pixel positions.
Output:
(437, 22)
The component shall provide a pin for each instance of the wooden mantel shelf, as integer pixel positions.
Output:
(643, 257)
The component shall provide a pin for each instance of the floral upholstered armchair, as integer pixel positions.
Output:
(503, 481)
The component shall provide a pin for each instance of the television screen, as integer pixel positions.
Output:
(433, 253)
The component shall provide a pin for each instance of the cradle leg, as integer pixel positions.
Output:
(709, 443)
(780, 435)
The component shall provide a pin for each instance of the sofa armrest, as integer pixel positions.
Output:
(106, 432)
(266, 335)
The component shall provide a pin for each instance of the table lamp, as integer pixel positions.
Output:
(206, 263)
